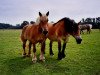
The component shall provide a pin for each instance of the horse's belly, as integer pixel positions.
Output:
(53, 38)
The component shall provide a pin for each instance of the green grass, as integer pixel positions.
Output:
(83, 59)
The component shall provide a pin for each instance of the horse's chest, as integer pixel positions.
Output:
(39, 39)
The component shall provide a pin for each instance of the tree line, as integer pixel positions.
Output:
(18, 26)
(94, 21)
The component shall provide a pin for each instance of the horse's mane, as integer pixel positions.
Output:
(59, 21)
(68, 23)
(37, 21)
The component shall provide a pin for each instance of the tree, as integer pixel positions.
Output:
(4, 26)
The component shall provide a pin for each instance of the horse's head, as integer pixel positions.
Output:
(74, 30)
(43, 22)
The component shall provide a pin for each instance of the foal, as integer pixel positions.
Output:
(36, 33)
(61, 30)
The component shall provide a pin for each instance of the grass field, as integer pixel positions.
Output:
(83, 59)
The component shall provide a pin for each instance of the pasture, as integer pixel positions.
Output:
(83, 59)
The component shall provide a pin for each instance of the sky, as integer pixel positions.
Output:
(16, 11)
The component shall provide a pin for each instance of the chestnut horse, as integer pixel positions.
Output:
(36, 33)
(61, 30)
(87, 27)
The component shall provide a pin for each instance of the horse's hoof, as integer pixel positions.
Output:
(51, 54)
(34, 60)
(23, 55)
(59, 58)
(28, 55)
(63, 55)
(42, 60)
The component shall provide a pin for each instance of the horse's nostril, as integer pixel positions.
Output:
(45, 32)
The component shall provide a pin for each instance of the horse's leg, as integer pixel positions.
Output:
(87, 31)
(90, 30)
(50, 48)
(82, 32)
(59, 50)
(30, 44)
(34, 59)
(42, 58)
(24, 45)
(63, 49)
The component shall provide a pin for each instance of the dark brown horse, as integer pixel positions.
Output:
(61, 30)
(24, 24)
(87, 27)
(34, 34)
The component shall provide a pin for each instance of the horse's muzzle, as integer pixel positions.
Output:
(45, 32)
(79, 41)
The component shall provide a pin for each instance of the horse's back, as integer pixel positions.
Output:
(27, 31)
(82, 27)
(31, 31)
(85, 26)
(55, 31)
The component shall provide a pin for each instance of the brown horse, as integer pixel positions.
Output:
(34, 34)
(61, 30)
(87, 27)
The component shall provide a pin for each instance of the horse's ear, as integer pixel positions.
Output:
(47, 13)
(40, 14)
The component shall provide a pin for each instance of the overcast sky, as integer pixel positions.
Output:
(16, 11)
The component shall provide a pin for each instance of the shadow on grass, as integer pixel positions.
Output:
(55, 66)
(17, 65)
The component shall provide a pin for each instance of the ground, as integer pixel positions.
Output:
(83, 59)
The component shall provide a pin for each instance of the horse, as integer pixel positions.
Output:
(61, 30)
(87, 27)
(35, 33)
(24, 23)
(32, 22)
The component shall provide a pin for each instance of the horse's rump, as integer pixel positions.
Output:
(23, 32)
